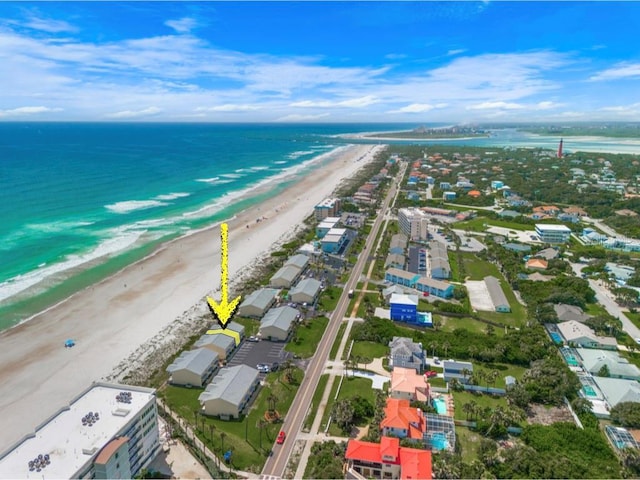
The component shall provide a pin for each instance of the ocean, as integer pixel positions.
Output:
(80, 201)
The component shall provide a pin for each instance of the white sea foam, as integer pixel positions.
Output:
(132, 205)
(172, 196)
(120, 239)
(299, 153)
(231, 175)
(280, 162)
(259, 168)
(208, 180)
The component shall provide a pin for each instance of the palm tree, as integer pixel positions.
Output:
(466, 373)
(473, 351)
(433, 346)
(222, 437)
(468, 409)
(272, 400)
(497, 418)
(261, 424)
(445, 347)
(493, 376)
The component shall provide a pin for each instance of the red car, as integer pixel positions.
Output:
(281, 437)
(430, 374)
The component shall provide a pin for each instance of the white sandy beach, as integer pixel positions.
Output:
(120, 321)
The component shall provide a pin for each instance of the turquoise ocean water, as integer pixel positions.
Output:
(79, 201)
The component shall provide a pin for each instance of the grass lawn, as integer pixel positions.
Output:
(250, 325)
(482, 400)
(449, 324)
(469, 443)
(351, 387)
(329, 299)
(315, 402)
(503, 370)
(453, 263)
(330, 400)
(437, 382)
(634, 317)
(308, 337)
(597, 309)
(241, 436)
(370, 350)
(336, 344)
(372, 299)
(477, 269)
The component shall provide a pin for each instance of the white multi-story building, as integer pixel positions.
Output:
(553, 233)
(108, 431)
(413, 222)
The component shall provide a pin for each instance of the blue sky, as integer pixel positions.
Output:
(320, 61)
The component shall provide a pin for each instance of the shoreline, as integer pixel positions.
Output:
(118, 322)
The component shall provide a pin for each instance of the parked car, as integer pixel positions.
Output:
(275, 366)
(263, 368)
(253, 338)
(430, 374)
(281, 437)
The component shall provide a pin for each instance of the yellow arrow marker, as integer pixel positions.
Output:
(224, 310)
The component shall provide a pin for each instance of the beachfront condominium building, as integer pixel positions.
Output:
(108, 431)
(230, 392)
(439, 261)
(551, 233)
(329, 207)
(413, 223)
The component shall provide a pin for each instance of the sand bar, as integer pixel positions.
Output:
(111, 320)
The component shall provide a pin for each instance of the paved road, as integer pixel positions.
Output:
(277, 463)
(604, 298)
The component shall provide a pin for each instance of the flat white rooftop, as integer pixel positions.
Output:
(552, 228)
(70, 444)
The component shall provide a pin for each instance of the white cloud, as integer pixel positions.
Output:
(49, 25)
(135, 113)
(418, 108)
(495, 105)
(301, 118)
(229, 107)
(395, 56)
(624, 110)
(621, 70)
(182, 25)
(14, 112)
(456, 51)
(546, 105)
(351, 103)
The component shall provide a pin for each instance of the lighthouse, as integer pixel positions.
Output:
(560, 149)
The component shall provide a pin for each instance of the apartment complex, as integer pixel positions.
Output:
(108, 431)
(413, 222)
(329, 207)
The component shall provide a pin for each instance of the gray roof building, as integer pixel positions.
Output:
(305, 291)
(387, 292)
(440, 268)
(258, 302)
(232, 326)
(619, 367)
(193, 367)
(509, 214)
(285, 276)
(223, 345)
(579, 334)
(395, 260)
(566, 313)
(278, 323)
(460, 370)
(398, 243)
(405, 353)
(299, 261)
(616, 390)
(548, 253)
(230, 391)
(517, 247)
(497, 295)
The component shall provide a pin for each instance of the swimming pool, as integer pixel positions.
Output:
(556, 337)
(439, 441)
(589, 391)
(440, 404)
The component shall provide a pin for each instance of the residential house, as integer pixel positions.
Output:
(389, 291)
(407, 383)
(406, 354)
(459, 370)
(537, 264)
(499, 299)
(576, 333)
(440, 268)
(306, 291)
(285, 276)
(232, 329)
(398, 244)
(230, 392)
(386, 460)
(517, 247)
(553, 233)
(616, 390)
(278, 323)
(258, 302)
(193, 368)
(570, 312)
(223, 345)
(548, 253)
(403, 421)
(404, 308)
(593, 361)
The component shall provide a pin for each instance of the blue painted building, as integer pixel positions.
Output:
(404, 308)
(426, 285)
(334, 240)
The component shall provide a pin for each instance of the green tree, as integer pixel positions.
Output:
(626, 414)
(604, 371)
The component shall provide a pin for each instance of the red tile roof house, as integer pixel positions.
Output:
(403, 421)
(387, 460)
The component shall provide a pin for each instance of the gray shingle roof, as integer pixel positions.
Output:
(300, 261)
(594, 360)
(280, 317)
(495, 291)
(230, 384)
(399, 240)
(233, 326)
(196, 361)
(439, 257)
(308, 286)
(288, 273)
(404, 346)
(219, 340)
(261, 298)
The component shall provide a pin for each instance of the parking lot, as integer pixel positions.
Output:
(253, 353)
